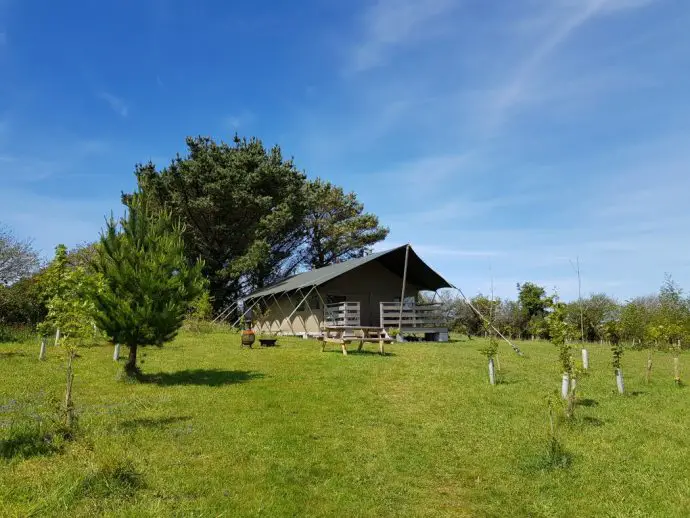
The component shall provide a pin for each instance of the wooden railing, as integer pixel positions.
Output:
(413, 316)
(342, 314)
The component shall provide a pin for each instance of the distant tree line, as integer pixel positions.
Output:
(659, 320)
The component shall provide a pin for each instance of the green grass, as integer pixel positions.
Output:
(215, 430)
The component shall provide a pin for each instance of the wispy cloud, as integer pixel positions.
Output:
(562, 19)
(240, 120)
(25, 168)
(388, 24)
(117, 104)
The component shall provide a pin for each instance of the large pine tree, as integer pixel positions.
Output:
(335, 225)
(148, 282)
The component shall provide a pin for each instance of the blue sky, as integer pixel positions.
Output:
(502, 139)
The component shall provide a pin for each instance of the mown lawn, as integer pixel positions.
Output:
(216, 430)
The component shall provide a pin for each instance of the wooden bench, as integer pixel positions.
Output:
(345, 335)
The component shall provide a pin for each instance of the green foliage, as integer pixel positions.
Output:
(672, 321)
(612, 332)
(200, 313)
(596, 309)
(70, 293)
(337, 229)
(532, 299)
(637, 318)
(242, 207)
(490, 347)
(148, 283)
(22, 303)
(560, 332)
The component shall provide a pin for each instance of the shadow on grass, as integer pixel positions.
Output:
(587, 402)
(115, 478)
(159, 422)
(29, 443)
(355, 352)
(10, 354)
(556, 457)
(205, 377)
(593, 421)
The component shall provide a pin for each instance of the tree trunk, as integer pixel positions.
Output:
(42, 353)
(676, 369)
(131, 365)
(57, 336)
(116, 353)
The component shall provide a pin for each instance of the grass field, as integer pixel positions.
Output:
(215, 430)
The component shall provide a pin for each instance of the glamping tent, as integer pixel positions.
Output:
(362, 292)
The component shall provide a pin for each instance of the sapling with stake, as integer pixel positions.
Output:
(70, 310)
(612, 331)
(585, 354)
(558, 328)
(491, 348)
(676, 363)
(490, 352)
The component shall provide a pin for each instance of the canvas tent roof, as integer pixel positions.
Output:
(418, 273)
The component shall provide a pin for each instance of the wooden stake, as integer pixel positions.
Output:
(116, 353)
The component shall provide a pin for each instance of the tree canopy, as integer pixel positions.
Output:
(253, 217)
(336, 226)
(18, 259)
(242, 207)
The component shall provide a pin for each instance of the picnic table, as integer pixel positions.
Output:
(345, 335)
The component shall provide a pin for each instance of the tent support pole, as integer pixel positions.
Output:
(310, 310)
(225, 312)
(245, 311)
(402, 294)
(300, 303)
(323, 308)
(283, 314)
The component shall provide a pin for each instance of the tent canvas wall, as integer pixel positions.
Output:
(368, 281)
